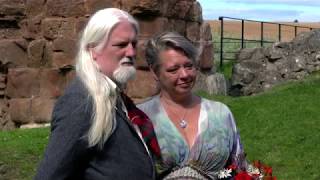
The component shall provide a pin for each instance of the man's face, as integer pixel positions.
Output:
(116, 59)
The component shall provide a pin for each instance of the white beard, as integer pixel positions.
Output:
(124, 73)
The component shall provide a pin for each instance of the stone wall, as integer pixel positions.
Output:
(38, 45)
(259, 69)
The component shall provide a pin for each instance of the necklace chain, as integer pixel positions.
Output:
(183, 123)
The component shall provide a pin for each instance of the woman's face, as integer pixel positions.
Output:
(176, 73)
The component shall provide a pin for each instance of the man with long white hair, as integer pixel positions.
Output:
(96, 131)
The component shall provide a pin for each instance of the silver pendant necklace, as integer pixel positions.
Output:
(183, 123)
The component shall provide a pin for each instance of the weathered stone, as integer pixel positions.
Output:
(241, 75)
(195, 13)
(20, 110)
(217, 84)
(260, 69)
(3, 78)
(60, 60)
(66, 8)
(65, 45)
(177, 25)
(36, 51)
(41, 109)
(244, 54)
(22, 43)
(12, 54)
(141, 60)
(40, 54)
(206, 33)
(206, 57)
(23, 83)
(150, 27)
(9, 34)
(205, 47)
(80, 24)
(5, 121)
(2, 85)
(94, 5)
(143, 86)
(298, 63)
(306, 42)
(59, 27)
(212, 83)
(32, 27)
(34, 7)
(141, 7)
(193, 31)
(176, 8)
(7, 124)
(13, 8)
(64, 52)
(52, 83)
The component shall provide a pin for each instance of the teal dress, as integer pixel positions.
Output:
(217, 143)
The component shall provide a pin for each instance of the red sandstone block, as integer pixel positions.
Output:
(20, 110)
(41, 109)
(53, 28)
(12, 54)
(143, 86)
(66, 8)
(22, 83)
(52, 83)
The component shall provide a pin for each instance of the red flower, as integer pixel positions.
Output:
(232, 167)
(267, 170)
(243, 176)
(257, 164)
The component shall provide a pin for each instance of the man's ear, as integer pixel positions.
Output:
(93, 53)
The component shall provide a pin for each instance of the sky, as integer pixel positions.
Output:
(263, 10)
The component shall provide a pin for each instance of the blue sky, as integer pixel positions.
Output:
(263, 10)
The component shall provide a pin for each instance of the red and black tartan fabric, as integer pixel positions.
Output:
(144, 124)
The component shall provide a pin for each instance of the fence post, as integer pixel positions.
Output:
(261, 39)
(221, 42)
(279, 33)
(295, 31)
(242, 34)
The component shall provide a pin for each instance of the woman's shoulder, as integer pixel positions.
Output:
(214, 105)
(150, 101)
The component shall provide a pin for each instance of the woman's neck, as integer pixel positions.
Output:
(182, 100)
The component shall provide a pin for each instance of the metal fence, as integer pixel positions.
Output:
(243, 41)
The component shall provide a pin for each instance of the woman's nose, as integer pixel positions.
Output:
(183, 72)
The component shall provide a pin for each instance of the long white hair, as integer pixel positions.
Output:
(95, 36)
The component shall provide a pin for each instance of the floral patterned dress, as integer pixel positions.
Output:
(217, 143)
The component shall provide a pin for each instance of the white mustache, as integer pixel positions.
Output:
(127, 60)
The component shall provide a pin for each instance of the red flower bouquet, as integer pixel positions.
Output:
(254, 171)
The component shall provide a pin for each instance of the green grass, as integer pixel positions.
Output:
(280, 127)
(20, 152)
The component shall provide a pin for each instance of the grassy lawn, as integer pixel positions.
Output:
(20, 151)
(280, 127)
